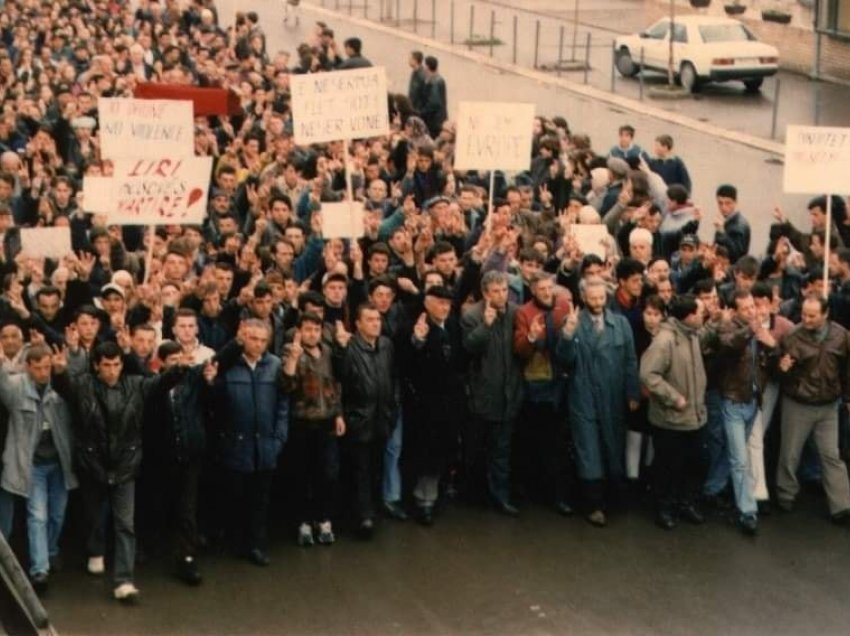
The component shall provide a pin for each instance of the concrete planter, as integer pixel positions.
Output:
(734, 9)
(780, 17)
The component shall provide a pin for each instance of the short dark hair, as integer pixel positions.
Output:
(817, 202)
(747, 266)
(261, 290)
(681, 307)
(762, 289)
(588, 261)
(168, 348)
(531, 254)
(311, 297)
(36, 353)
(109, 350)
(367, 306)
(656, 302)
(381, 281)
(740, 294)
(86, 310)
(704, 286)
(431, 63)
(678, 193)
(727, 191)
(354, 44)
(626, 128)
(311, 317)
(185, 312)
(665, 140)
(418, 56)
(627, 268)
(47, 290)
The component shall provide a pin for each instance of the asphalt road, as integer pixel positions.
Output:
(478, 573)
(800, 101)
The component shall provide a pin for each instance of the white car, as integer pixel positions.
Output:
(705, 49)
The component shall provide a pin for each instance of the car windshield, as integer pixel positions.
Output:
(725, 33)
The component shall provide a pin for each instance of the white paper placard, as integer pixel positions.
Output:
(817, 160)
(49, 242)
(168, 190)
(339, 105)
(494, 136)
(592, 238)
(97, 194)
(146, 127)
(342, 220)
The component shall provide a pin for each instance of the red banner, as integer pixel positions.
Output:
(207, 101)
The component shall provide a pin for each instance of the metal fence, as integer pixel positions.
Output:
(564, 47)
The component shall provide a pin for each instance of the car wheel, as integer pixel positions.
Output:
(753, 85)
(688, 77)
(625, 64)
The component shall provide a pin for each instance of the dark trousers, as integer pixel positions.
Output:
(120, 500)
(314, 453)
(248, 496)
(487, 458)
(542, 452)
(187, 483)
(366, 459)
(678, 468)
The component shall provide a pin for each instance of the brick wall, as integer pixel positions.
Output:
(795, 41)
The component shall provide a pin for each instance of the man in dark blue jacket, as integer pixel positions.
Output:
(253, 420)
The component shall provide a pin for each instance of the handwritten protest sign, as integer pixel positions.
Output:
(342, 220)
(50, 242)
(158, 191)
(494, 136)
(592, 238)
(817, 160)
(145, 128)
(339, 105)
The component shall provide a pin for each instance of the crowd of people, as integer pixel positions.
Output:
(451, 351)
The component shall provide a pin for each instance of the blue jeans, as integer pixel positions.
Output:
(738, 419)
(392, 453)
(718, 458)
(46, 504)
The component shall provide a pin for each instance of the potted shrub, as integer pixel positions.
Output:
(700, 4)
(736, 8)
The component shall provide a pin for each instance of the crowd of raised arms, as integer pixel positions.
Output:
(450, 352)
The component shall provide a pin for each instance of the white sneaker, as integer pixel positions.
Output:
(95, 565)
(305, 535)
(326, 533)
(126, 593)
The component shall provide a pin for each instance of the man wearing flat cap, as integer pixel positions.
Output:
(436, 363)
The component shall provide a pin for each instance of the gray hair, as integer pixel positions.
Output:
(493, 278)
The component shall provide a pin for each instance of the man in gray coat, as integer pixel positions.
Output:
(672, 371)
(37, 460)
(495, 381)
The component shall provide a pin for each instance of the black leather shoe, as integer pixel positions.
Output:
(690, 514)
(39, 582)
(749, 524)
(258, 557)
(764, 507)
(425, 515)
(506, 509)
(842, 517)
(394, 510)
(56, 564)
(187, 571)
(366, 529)
(563, 508)
(665, 520)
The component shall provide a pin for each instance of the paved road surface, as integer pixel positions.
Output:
(801, 101)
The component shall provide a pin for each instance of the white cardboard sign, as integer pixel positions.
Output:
(339, 105)
(494, 136)
(342, 220)
(146, 127)
(592, 238)
(817, 160)
(167, 190)
(97, 194)
(49, 242)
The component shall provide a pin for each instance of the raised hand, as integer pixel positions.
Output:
(341, 335)
(59, 359)
(536, 328)
(421, 328)
(490, 313)
(210, 371)
(295, 349)
(571, 323)
(785, 363)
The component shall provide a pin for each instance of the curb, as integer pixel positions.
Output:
(590, 92)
